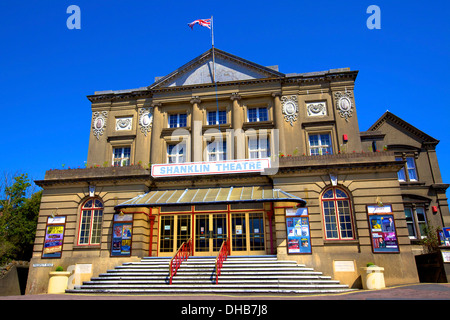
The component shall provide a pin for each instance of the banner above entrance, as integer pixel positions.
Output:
(210, 167)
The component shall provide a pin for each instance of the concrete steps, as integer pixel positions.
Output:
(240, 275)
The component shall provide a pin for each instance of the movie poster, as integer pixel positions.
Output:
(444, 237)
(54, 237)
(383, 233)
(297, 227)
(121, 236)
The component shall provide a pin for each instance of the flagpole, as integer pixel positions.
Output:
(213, 55)
(214, 70)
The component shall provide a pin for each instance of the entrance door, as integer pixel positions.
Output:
(174, 230)
(247, 233)
(210, 232)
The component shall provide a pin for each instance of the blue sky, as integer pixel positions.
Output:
(47, 70)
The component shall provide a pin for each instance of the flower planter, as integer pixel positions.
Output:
(373, 278)
(58, 282)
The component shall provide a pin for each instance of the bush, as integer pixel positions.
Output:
(59, 268)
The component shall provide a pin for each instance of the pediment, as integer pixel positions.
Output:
(401, 130)
(228, 67)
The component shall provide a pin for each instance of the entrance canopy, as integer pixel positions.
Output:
(195, 196)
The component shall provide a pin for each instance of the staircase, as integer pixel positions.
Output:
(240, 275)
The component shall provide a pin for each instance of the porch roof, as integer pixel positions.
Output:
(195, 196)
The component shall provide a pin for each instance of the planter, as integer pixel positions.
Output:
(58, 282)
(373, 278)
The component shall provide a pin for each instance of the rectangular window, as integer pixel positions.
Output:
(178, 120)
(401, 173)
(421, 221)
(176, 153)
(216, 150)
(416, 220)
(121, 156)
(257, 114)
(215, 117)
(258, 147)
(411, 167)
(320, 144)
(410, 222)
(407, 173)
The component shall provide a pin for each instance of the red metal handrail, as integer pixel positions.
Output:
(184, 251)
(221, 257)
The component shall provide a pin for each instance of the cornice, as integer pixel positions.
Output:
(298, 79)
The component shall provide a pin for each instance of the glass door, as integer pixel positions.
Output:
(183, 229)
(210, 232)
(166, 234)
(247, 233)
(219, 231)
(202, 233)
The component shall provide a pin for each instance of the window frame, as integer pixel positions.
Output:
(178, 123)
(122, 156)
(219, 151)
(177, 146)
(92, 232)
(219, 117)
(405, 170)
(258, 116)
(320, 146)
(258, 149)
(338, 223)
(419, 225)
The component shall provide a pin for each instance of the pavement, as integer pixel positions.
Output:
(406, 301)
(421, 291)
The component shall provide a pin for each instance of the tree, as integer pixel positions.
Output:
(18, 219)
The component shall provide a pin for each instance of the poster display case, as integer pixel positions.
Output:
(382, 229)
(54, 237)
(122, 235)
(298, 232)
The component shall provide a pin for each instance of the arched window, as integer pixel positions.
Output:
(337, 215)
(91, 222)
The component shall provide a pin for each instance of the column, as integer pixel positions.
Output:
(156, 151)
(279, 120)
(236, 123)
(196, 130)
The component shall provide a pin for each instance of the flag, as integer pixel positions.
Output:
(202, 22)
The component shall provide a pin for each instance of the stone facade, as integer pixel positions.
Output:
(313, 141)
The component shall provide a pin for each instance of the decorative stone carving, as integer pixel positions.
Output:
(235, 96)
(124, 124)
(315, 109)
(290, 109)
(344, 104)
(196, 100)
(99, 123)
(145, 119)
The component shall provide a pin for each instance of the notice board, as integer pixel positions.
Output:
(54, 237)
(122, 233)
(382, 229)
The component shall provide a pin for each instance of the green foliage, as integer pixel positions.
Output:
(18, 220)
(431, 241)
(59, 268)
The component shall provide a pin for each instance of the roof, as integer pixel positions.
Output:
(392, 118)
(228, 68)
(215, 195)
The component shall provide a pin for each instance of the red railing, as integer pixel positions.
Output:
(182, 254)
(221, 257)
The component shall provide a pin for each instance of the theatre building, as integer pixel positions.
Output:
(275, 163)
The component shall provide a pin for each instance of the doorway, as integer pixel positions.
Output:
(209, 230)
